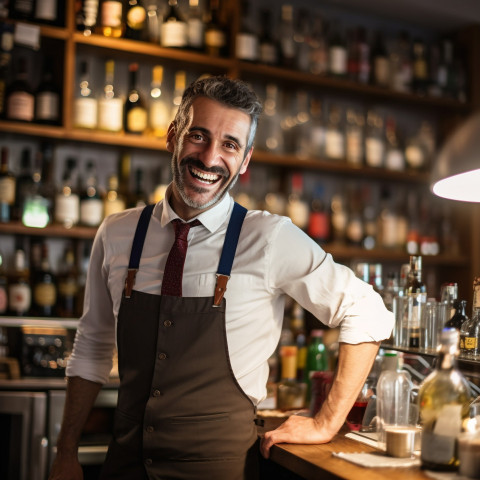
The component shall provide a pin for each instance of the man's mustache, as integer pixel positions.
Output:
(194, 162)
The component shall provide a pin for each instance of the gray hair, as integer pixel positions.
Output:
(230, 92)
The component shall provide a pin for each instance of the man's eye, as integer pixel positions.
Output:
(230, 146)
(196, 136)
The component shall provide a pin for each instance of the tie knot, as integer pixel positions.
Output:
(182, 228)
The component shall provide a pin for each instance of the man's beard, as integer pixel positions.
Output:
(179, 171)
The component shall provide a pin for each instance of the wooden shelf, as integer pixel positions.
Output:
(17, 228)
(47, 322)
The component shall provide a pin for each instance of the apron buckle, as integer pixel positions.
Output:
(130, 281)
(220, 289)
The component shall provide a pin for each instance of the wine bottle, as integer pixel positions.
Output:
(139, 197)
(86, 16)
(297, 207)
(354, 138)
(86, 104)
(246, 42)
(7, 187)
(394, 155)
(195, 26)
(380, 62)
(215, 32)
(67, 295)
(174, 30)
(136, 18)
(335, 135)
(112, 24)
(47, 97)
(51, 12)
(110, 105)
(67, 201)
(20, 101)
(287, 43)
(21, 9)
(268, 47)
(459, 317)
(318, 220)
(180, 84)
(6, 48)
(135, 111)
(417, 291)
(444, 399)
(44, 287)
(91, 202)
(159, 111)
(337, 52)
(24, 183)
(113, 201)
(374, 140)
(19, 290)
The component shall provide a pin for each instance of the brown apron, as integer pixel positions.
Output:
(181, 413)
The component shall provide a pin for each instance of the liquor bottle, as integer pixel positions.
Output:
(291, 394)
(364, 64)
(86, 16)
(7, 188)
(51, 12)
(268, 48)
(135, 110)
(67, 285)
(317, 129)
(401, 66)
(3, 286)
(353, 55)
(374, 140)
(111, 23)
(246, 41)
(113, 201)
(287, 43)
(136, 18)
(420, 67)
(301, 37)
(318, 48)
(20, 101)
(19, 291)
(215, 32)
(139, 197)
(174, 30)
(44, 287)
(180, 84)
(444, 399)
(417, 291)
(471, 328)
(67, 200)
(319, 219)
(445, 78)
(394, 154)
(21, 9)
(354, 231)
(86, 104)
(297, 207)
(270, 137)
(195, 26)
(110, 105)
(459, 317)
(335, 135)
(91, 202)
(47, 97)
(301, 130)
(337, 52)
(6, 48)
(159, 111)
(153, 21)
(380, 62)
(339, 217)
(24, 183)
(354, 137)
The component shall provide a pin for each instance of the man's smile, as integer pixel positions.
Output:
(209, 178)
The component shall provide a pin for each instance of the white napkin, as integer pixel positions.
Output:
(377, 459)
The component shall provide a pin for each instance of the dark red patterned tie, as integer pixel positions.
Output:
(172, 277)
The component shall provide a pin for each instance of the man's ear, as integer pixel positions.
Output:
(171, 138)
(246, 161)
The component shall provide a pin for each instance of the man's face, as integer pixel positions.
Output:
(208, 156)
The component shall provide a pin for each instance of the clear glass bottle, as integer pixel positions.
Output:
(159, 110)
(394, 154)
(112, 23)
(7, 187)
(174, 30)
(91, 202)
(354, 137)
(85, 104)
(195, 26)
(67, 200)
(415, 289)
(335, 135)
(444, 399)
(374, 140)
(401, 63)
(110, 105)
(135, 116)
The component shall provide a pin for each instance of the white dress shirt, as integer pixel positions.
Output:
(274, 258)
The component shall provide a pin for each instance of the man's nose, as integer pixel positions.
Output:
(210, 154)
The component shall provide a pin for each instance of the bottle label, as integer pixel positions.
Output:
(395, 160)
(19, 297)
(415, 156)
(437, 449)
(86, 113)
(196, 33)
(354, 147)
(374, 149)
(67, 209)
(338, 60)
(382, 71)
(7, 190)
(111, 14)
(45, 294)
(67, 288)
(47, 106)
(110, 114)
(91, 212)
(334, 144)
(215, 38)
(159, 118)
(137, 120)
(20, 106)
(471, 343)
(115, 206)
(46, 10)
(174, 34)
(246, 46)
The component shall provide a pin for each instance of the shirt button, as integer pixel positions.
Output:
(157, 393)
(148, 461)
(149, 429)
(162, 356)
(167, 323)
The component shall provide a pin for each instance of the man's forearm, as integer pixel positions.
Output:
(81, 395)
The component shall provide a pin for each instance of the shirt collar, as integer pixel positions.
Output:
(212, 219)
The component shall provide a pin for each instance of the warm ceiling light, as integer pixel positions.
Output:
(456, 172)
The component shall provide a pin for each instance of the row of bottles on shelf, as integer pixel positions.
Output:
(34, 198)
(51, 12)
(30, 286)
(300, 125)
(366, 215)
(299, 38)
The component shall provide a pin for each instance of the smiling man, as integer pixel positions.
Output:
(192, 353)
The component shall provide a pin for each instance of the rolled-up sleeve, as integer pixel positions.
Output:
(330, 291)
